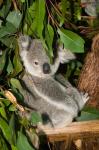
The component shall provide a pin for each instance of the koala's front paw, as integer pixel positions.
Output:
(85, 96)
(65, 55)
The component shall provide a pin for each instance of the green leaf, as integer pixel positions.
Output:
(37, 11)
(8, 29)
(3, 113)
(8, 41)
(2, 60)
(78, 12)
(6, 130)
(18, 94)
(14, 147)
(71, 40)
(14, 18)
(9, 67)
(49, 35)
(5, 9)
(22, 142)
(64, 6)
(3, 144)
(6, 101)
(12, 108)
(88, 114)
(23, 1)
(16, 84)
(25, 122)
(33, 137)
(35, 118)
(17, 64)
(12, 127)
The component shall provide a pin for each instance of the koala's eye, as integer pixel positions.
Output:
(36, 62)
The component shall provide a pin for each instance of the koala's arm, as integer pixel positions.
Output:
(63, 56)
(56, 94)
(60, 78)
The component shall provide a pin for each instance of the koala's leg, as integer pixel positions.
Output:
(63, 120)
(59, 119)
(57, 123)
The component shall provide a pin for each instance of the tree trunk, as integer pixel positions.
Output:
(89, 78)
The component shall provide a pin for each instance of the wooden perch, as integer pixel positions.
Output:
(77, 130)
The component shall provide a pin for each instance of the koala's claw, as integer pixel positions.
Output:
(85, 96)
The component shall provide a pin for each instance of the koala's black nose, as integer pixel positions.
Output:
(46, 68)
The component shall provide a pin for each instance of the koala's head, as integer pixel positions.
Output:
(34, 57)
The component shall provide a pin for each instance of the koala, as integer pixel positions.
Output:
(53, 97)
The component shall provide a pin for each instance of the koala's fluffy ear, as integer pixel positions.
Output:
(24, 42)
(64, 54)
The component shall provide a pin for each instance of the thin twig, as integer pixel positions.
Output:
(50, 16)
(88, 17)
(58, 12)
(15, 5)
(13, 100)
(56, 8)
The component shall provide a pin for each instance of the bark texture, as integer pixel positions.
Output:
(89, 78)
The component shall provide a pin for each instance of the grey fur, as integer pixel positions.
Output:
(52, 96)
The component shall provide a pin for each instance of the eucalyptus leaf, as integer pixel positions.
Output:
(12, 108)
(8, 41)
(0, 23)
(9, 67)
(14, 147)
(22, 142)
(38, 14)
(3, 112)
(3, 144)
(88, 114)
(12, 126)
(64, 6)
(33, 137)
(6, 130)
(14, 18)
(17, 65)
(5, 9)
(6, 102)
(49, 35)
(16, 84)
(23, 1)
(8, 29)
(18, 94)
(2, 60)
(71, 40)
(35, 118)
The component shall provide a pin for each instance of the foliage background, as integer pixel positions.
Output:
(62, 21)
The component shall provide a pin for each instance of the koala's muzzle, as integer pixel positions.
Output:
(46, 68)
